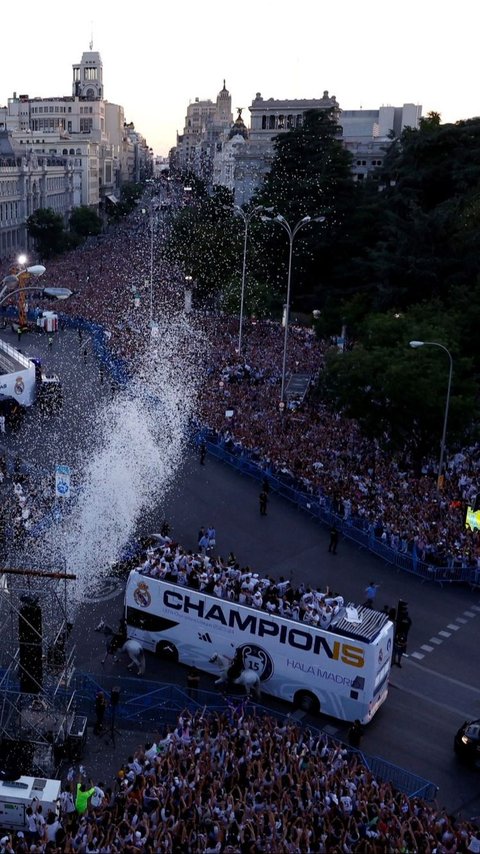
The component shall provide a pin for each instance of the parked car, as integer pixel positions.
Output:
(467, 742)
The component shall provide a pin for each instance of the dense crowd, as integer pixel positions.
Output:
(237, 783)
(223, 784)
(311, 446)
(28, 496)
(225, 579)
(324, 453)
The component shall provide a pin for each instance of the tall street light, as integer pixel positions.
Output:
(247, 217)
(53, 293)
(291, 234)
(20, 279)
(415, 345)
(188, 293)
(25, 274)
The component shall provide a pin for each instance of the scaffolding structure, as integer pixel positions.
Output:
(37, 665)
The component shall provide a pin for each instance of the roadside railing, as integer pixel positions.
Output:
(152, 705)
(320, 507)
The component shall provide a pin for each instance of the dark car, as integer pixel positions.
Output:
(467, 741)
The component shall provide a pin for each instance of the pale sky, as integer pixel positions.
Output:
(157, 57)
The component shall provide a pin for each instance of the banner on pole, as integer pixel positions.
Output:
(62, 482)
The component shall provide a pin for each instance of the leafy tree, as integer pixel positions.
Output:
(85, 221)
(46, 228)
(205, 242)
(310, 175)
(130, 195)
(398, 395)
(428, 237)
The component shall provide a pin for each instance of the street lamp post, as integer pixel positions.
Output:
(22, 277)
(188, 294)
(55, 293)
(247, 217)
(291, 235)
(415, 345)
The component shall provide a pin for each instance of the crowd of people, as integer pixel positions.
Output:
(314, 447)
(28, 496)
(240, 783)
(325, 454)
(211, 574)
(223, 784)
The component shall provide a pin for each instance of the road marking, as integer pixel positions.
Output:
(418, 655)
(469, 614)
(426, 647)
(461, 620)
(458, 712)
(436, 640)
(444, 634)
(453, 627)
(447, 678)
(475, 607)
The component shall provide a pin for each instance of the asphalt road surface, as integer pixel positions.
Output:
(437, 687)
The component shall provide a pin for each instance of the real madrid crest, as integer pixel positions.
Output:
(142, 595)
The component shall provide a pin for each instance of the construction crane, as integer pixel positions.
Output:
(19, 277)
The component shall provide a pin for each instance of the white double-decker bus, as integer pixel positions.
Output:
(341, 671)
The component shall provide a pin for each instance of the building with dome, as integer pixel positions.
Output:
(242, 156)
(205, 122)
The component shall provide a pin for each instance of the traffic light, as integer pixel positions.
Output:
(403, 619)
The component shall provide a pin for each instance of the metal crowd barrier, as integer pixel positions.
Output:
(320, 508)
(150, 705)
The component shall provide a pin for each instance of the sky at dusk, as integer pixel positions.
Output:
(157, 57)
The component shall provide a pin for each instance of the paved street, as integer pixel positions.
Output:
(437, 687)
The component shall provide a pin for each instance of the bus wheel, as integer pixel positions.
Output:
(307, 702)
(166, 650)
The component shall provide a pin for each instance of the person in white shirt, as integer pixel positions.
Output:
(218, 589)
(257, 599)
(151, 751)
(326, 617)
(98, 796)
(39, 820)
(51, 826)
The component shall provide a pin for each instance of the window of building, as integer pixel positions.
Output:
(76, 74)
(86, 125)
(90, 74)
(271, 122)
(281, 122)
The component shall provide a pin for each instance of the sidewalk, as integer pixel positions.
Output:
(103, 756)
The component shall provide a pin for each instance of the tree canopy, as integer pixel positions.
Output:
(397, 258)
(46, 228)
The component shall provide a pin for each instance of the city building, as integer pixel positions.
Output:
(242, 160)
(65, 152)
(205, 122)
